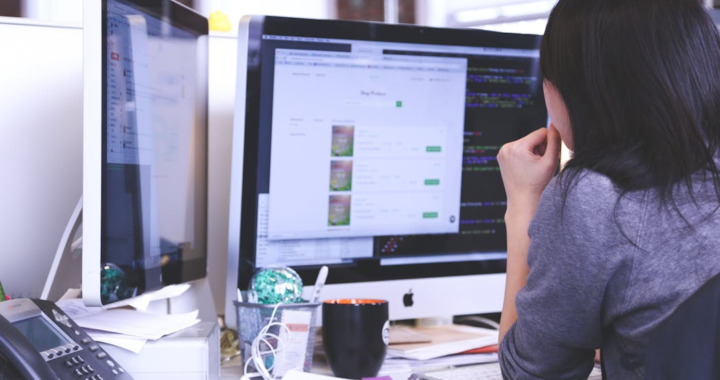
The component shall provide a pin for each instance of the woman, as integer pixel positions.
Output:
(630, 228)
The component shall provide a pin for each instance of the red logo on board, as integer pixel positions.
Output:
(115, 56)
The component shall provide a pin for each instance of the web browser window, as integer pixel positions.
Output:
(365, 144)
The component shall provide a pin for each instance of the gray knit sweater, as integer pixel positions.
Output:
(590, 287)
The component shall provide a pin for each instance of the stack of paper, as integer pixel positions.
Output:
(129, 328)
(449, 346)
(445, 340)
(402, 368)
(137, 323)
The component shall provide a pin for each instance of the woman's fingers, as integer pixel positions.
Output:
(528, 164)
(529, 146)
(552, 152)
(533, 141)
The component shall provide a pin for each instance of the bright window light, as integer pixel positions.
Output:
(473, 15)
(516, 10)
(522, 27)
(522, 9)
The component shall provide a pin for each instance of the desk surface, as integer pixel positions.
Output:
(233, 369)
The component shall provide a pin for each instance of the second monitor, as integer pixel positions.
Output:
(144, 148)
(371, 148)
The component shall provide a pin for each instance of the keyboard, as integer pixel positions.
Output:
(489, 371)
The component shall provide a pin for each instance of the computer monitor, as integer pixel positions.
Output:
(145, 147)
(371, 149)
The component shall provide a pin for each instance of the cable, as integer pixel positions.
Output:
(258, 355)
(476, 318)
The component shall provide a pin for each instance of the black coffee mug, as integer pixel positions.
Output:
(355, 336)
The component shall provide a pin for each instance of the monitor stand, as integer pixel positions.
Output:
(66, 273)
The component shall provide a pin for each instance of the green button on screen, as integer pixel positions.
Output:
(432, 182)
(430, 215)
(434, 149)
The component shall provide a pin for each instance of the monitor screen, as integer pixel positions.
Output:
(376, 154)
(154, 155)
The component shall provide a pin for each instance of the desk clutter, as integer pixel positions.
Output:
(448, 346)
(151, 345)
(277, 337)
(128, 325)
(276, 326)
(399, 368)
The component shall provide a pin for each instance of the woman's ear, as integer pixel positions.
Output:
(558, 113)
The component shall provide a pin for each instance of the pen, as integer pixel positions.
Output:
(319, 283)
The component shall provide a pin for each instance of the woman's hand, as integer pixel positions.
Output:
(527, 166)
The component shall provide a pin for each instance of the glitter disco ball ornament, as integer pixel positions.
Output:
(276, 285)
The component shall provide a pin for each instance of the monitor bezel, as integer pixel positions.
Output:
(343, 30)
(95, 119)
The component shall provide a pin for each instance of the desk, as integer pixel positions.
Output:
(233, 369)
(399, 369)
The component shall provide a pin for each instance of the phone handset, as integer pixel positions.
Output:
(21, 354)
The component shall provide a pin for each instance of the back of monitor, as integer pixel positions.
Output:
(40, 148)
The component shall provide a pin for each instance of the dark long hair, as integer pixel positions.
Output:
(641, 82)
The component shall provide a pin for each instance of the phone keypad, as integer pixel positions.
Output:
(87, 372)
(79, 369)
(84, 371)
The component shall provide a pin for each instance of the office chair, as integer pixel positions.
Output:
(687, 344)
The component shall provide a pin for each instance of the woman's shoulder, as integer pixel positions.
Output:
(584, 203)
(585, 209)
(582, 188)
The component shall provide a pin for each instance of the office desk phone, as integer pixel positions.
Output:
(38, 341)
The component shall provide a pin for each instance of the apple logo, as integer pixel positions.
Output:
(408, 299)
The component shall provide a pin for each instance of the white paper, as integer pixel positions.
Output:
(299, 375)
(294, 343)
(401, 369)
(138, 324)
(398, 365)
(71, 294)
(139, 303)
(129, 343)
(142, 302)
(477, 337)
(76, 309)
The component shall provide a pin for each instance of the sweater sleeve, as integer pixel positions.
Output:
(571, 260)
